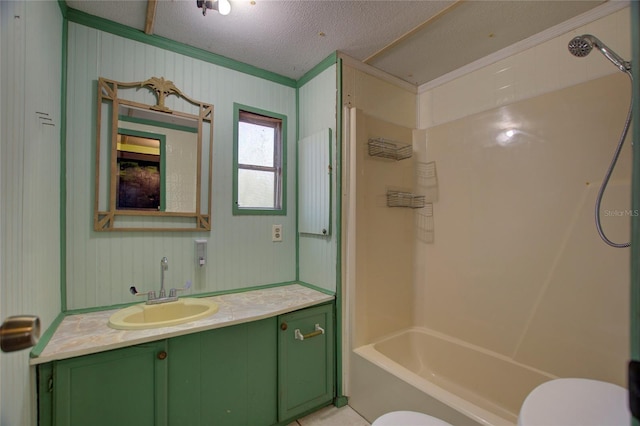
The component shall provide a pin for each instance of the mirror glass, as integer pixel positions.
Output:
(138, 183)
(153, 163)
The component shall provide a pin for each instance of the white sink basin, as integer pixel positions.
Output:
(143, 316)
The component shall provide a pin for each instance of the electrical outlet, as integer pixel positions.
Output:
(276, 233)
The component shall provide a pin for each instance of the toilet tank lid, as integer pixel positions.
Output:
(574, 401)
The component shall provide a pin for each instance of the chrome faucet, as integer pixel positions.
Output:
(164, 265)
(162, 296)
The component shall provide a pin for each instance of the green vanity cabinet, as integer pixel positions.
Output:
(253, 374)
(226, 376)
(306, 360)
(119, 387)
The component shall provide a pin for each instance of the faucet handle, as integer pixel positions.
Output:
(133, 290)
(174, 291)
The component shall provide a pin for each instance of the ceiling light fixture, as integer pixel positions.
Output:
(222, 6)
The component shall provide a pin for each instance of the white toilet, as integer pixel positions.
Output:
(575, 402)
(408, 418)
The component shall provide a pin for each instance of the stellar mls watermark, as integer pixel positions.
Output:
(621, 213)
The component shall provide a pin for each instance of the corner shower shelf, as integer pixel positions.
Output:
(405, 199)
(385, 148)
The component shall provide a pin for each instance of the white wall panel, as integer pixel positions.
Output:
(102, 266)
(317, 109)
(314, 180)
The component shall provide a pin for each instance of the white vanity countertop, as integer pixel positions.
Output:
(83, 334)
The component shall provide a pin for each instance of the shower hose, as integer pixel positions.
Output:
(607, 176)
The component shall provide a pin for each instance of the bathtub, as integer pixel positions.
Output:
(422, 370)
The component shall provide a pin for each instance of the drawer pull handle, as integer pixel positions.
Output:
(318, 331)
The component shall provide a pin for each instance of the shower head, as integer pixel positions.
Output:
(582, 45)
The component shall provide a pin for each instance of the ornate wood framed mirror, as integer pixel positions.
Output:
(153, 160)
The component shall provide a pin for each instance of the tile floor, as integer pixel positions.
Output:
(332, 416)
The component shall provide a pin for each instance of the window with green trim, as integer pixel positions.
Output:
(259, 161)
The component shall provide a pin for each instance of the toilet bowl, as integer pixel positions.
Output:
(408, 418)
(575, 402)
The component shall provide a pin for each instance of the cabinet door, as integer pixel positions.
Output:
(124, 387)
(44, 377)
(305, 367)
(226, 376)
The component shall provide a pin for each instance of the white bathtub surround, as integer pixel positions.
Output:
(384, 235)
(84, 334)
(517, 269)
(517, 266)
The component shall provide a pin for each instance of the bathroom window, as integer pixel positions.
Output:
(259, 162)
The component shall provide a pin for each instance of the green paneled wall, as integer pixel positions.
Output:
(30, 121)
(102, 266)
(317, 111)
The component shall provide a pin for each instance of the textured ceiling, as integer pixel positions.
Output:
(414, 40)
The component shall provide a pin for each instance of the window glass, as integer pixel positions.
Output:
(255, 188)
(255, 144)
(258, 161)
